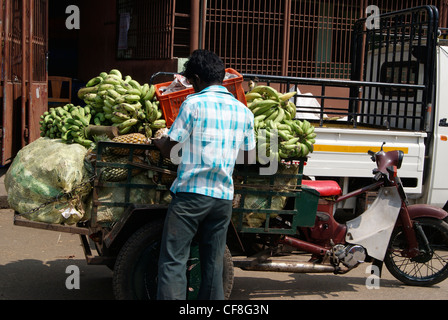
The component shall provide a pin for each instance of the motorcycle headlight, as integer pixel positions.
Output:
(400, 158)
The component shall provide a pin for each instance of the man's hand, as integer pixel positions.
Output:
(165, 144)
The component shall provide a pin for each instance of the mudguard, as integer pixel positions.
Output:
(426, 211)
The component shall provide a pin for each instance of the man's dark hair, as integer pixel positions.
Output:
(206, 64)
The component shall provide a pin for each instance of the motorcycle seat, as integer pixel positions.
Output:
(326, 188)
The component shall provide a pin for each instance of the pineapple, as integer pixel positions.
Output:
(135, 138)
(154, 159)
(160, 133)
(115, 174)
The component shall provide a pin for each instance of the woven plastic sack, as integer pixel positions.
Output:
(43, 171)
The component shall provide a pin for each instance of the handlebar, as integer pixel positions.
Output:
(161, 73)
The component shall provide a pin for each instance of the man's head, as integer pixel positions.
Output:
(204, 68)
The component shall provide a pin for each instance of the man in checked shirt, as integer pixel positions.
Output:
(210, 129)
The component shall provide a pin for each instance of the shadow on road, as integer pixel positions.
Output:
(31, 279)
(307, 286)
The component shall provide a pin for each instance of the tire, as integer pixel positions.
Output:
(135, 271)
(426, 269)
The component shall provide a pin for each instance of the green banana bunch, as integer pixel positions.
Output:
(274, 118)
(266, 103)
(67, 123)
(122, 102)
(303, 138)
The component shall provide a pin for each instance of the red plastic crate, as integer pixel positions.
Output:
(171, 102)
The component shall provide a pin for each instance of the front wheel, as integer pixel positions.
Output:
(431, 265)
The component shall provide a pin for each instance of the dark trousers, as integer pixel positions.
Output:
(190, 213)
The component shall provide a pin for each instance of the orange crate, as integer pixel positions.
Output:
(171, 102)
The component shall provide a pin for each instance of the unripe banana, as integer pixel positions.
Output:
(131, 98)
(105, 86)
(94, 81)
(83, 91)
(134, 84)
(158, 124)
(127, 123)
(280, 116)
(119, 100)
(291, 141)
(133, 91)
(128, 107)
(112, 80)
(305, 126)
(150, 94)
(287, 96)
(114, 94)
(305, 150)
(145, 90)
(292, 109)
(121, 115)
(116, 72)
(273, 115)
(284, 135)
(309, 145)
(297, 128)
(262, 106)
(120, 89)
(252, 96)
(267, 91)
(107, 110)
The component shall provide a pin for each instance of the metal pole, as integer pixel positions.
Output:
(24, 75)
(194, 25)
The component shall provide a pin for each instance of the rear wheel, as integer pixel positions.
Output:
(135, 272)
(431, 265)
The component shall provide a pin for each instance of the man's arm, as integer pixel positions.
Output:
(165, 144)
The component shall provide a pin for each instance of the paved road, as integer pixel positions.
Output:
(33, 266)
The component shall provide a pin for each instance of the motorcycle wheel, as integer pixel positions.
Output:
(135, 271)
(426, 269)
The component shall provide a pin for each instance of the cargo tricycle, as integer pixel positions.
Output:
(299, 235)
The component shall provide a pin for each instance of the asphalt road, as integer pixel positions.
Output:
(33, 266)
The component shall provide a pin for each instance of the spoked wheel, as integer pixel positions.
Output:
(427, 268)
(135, 272)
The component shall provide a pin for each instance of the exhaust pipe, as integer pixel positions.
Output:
(290, 266)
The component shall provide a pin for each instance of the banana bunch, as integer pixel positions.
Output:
(274, 119)
(67, 123)
(266, 103)
(123, 103)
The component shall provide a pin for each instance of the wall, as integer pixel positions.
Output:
(92, 49)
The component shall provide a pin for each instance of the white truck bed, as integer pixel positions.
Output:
(343, 153)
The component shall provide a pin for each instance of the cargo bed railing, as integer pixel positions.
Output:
(127, 185)
(348, 109)
(392, 76)
(257, 205)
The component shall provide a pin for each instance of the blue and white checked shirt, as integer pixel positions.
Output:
(211, 127)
